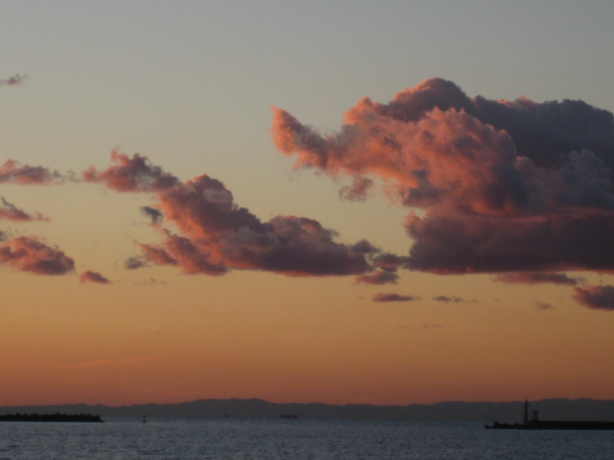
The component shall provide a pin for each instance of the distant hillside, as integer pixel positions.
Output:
(550, 409)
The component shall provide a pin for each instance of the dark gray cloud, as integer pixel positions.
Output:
(132, 263)
(574, 239)
(154, 214)
(364, 247)
(537, 278)
(595, 297)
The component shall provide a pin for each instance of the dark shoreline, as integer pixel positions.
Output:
(536, 424)
(506, 412)
(553, 425)
(57, 417)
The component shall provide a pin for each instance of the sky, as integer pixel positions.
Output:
(342, 202)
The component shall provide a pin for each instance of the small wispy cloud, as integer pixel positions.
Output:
(393, 297)
(424, 327)
(378, 277)
(538, 278)
(132, 263)
(15, 80)
(544, 306)
(152, 282)
(154, 214)
(443, 298)
(108, 363)
(14, 172)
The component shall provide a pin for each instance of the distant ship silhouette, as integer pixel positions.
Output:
(536, 424)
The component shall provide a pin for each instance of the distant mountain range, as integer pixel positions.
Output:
(549, 409)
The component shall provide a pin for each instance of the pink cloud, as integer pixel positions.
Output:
(358, 191)
(12, 171)
(11, 212)
(30, 255)
(134, 174)
(378, 277)
(92, 277)
(182, 252)
(216, 235)
(386, 269)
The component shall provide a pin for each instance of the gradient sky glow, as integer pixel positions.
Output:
(193, 86)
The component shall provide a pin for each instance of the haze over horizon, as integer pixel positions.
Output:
(360, 202)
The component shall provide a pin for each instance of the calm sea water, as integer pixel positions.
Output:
(294, 439)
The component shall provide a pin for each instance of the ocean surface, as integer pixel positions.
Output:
(293, 439)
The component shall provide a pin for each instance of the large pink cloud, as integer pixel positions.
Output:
(504, 186)
(448, 157)
(216, 235)
(31, 255)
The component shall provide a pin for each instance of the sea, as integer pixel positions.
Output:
(293, 439)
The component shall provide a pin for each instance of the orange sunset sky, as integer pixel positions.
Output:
(347, 202)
